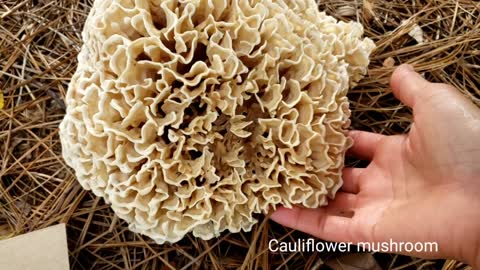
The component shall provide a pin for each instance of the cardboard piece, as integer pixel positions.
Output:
(43, 249)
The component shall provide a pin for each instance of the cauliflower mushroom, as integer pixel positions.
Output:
(194, 115)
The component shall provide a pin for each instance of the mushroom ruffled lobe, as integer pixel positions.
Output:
(194, 115)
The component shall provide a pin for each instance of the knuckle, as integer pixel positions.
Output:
(445, 87)
(320, 226)
(354, 135)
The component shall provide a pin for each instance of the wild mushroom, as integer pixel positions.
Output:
(192, 116)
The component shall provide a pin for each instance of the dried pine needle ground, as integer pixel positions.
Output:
(39, 41)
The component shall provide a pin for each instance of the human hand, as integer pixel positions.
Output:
(423, 186)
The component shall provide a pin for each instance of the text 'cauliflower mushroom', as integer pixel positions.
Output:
(193, 115)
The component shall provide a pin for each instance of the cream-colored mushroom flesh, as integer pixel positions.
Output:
(195, 115)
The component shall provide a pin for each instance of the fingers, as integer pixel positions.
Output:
(351, 183)
(364, 144)
(316, 222)
(407, 85)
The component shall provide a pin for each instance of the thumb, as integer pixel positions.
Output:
(408, 86)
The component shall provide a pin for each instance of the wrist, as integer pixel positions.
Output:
(468, 254)
(468, 249)
(473, 257)
(475, 262)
